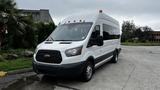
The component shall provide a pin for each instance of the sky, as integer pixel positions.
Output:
(143, 12)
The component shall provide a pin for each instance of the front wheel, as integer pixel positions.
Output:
(87, 72)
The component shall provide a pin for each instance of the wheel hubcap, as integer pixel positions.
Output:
(89, 72)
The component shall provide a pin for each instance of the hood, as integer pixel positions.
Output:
(59, 45)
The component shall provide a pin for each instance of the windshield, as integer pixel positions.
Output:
(70, 32)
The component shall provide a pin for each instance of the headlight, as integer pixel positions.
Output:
(74, 51)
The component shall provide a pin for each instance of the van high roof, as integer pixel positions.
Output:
(89, 17)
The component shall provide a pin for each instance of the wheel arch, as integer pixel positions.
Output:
(91, 59)
(118, 50)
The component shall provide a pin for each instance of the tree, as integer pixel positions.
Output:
(138, 33)
(128, 28)
(130, 32)
(22, 32)
(44, 30)
(147, 31)
(7, 8)
(20, 28)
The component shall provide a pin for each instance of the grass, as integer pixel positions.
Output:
(19, 63)
(14, 64)
(14, 51)
(140, 44)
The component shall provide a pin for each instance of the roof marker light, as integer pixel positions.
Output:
(100, 11)
(74, 21)
(68, 21)
(80, 20)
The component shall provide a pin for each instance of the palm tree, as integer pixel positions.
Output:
(10, 21)
(7, 8)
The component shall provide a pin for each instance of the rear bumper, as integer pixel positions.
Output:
(74, 69)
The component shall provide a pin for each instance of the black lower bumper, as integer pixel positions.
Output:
(59, 70)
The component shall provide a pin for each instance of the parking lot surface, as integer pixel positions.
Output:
(138, 69)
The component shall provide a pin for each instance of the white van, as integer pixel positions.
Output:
(79, 45)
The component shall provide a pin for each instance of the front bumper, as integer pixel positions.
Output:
(73, 69)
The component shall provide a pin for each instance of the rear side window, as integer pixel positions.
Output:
(110, 32)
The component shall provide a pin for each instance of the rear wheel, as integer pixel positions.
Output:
(115, 57)
(87, 72)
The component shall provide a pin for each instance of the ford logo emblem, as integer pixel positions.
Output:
(47, 56)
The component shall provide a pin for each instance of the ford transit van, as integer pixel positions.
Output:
(79, 45)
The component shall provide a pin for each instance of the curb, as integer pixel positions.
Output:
(20, 71)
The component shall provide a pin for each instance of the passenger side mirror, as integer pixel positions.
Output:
(100, 41)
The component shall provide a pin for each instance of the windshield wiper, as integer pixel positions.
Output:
(50, 38)
(62, 40)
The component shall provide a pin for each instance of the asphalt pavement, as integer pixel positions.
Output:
(138, 69)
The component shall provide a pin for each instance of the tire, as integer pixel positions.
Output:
(87, 72)
(115, 57)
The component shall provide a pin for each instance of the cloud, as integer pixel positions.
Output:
(143, 12)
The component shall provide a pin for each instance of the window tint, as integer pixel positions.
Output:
(110, 32)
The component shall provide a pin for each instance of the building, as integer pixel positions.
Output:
(155, 36)
(41, 15)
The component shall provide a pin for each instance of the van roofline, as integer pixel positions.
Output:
(90, 17)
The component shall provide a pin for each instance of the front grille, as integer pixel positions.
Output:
(49, 56)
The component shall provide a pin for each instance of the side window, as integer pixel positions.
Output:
(96, 32)
(110, 32)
